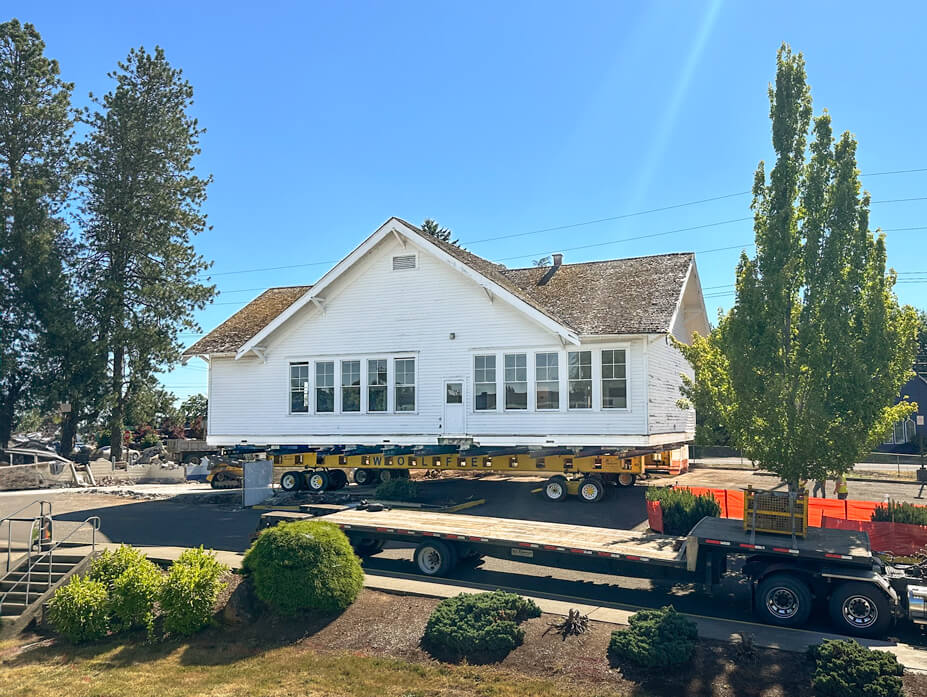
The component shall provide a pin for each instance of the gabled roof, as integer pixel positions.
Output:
(618, 296)
(229, 336)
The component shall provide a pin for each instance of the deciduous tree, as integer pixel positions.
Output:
(142, 206)
(804, 370)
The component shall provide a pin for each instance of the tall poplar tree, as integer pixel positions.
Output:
(36, 172)
(142, 206)
(804, 370)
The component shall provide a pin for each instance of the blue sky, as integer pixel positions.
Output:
(498, 118)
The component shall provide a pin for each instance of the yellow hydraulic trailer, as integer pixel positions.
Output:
(585, 472)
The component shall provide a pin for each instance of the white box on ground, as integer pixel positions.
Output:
(257, 482)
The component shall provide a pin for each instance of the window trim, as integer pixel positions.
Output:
(495, 381)
(592, 378)
(306, 390)
(534, 384)
(365, 398)
(359, 386)
(336, 406)
(396, 385)
(505, 406)
(627, 379)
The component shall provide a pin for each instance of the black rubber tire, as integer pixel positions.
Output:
(555, 488)
(591, 490)
(785, 585)
(291, 481)
(317, 481)
(861, 597)
(435, 558)
(216, 481)
(626, 480)
(339, 480)
(367, 546)
(385, 475)
(365, 477)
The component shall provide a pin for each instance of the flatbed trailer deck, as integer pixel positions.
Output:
(788, 575)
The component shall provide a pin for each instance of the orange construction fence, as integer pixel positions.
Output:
(731, 502)
(897, 538)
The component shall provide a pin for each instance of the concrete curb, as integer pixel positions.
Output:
(762, 473)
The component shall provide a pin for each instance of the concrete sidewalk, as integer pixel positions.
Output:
(767, 636)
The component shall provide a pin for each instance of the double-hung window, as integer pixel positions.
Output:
(350, 386)
(376, 384)
(484, 383)
(516, 381)
(324, 387)
(405, 384)
(579, 375)
(299, 388)
(614, 379)
(547, 380)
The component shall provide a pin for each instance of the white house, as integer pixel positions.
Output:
(411, 341)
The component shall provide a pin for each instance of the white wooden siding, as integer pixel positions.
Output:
(373, 311)
(665, 365)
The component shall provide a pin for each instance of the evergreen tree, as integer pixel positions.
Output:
(36, 173)
(804, 370)
(141, 208)
(443, 234)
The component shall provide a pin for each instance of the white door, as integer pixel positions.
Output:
(454, 424)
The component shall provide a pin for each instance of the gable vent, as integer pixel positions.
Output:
(403, 262)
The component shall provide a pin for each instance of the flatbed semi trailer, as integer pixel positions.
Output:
(584, 472)
(788, 575)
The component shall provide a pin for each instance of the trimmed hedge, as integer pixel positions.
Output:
(481, 627)
(681, 508)
(655, 639)
(79, 611)
(893, 512)
(847, 669)
(111, 564)
(397, 490)
(304, 565)
(192, 587)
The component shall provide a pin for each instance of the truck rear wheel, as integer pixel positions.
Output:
(626, 479)
(555, 488)
(367, 546)
(784, 600)
(291, 481)
(591, 490)
(318, 481)
(860, 609)
(435, 558)
(364, 477)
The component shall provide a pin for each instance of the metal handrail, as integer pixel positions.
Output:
(45, 510)
(94, 524)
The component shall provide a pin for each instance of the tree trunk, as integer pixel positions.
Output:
(115, 421)
(69, 430)
(6, 422)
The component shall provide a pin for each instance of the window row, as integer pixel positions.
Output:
(376, 385)
(614, 379)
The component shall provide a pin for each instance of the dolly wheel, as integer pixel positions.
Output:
(291, 481)
(626, 479)
(364, 477)
(591, 489)
(555, 488)
(318, 480)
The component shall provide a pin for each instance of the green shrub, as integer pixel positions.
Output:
(150, 438)
(190, 591)
(894, 512)
(847, 669)
(481, 627)
(79, 611)
(111, 564)
(397, 490)
(304, 565)
(655, 639)
(133, 596)
(681, 508)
